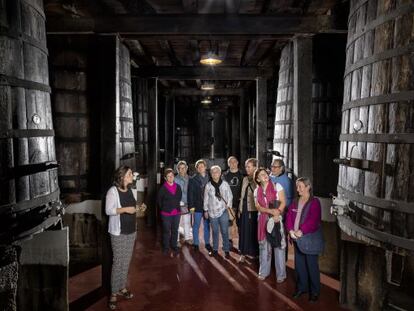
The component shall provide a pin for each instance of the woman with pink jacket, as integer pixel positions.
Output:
(303, 222)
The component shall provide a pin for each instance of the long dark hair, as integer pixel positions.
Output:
(119, 175)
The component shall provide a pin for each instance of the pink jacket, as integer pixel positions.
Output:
(312, 221)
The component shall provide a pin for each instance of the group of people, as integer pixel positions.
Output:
(261, 203)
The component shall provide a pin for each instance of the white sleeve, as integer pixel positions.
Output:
(278, 187)
(255, 195)
(111, 203)
(229, 194)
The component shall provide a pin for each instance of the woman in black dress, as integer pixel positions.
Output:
(248, 244)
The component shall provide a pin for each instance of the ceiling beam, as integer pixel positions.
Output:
(189, 6)
(137, 49)
(193, 24)
(204, 73)
(231, 6)
(250, 51)
(196, 92)
(195, 52)
(166, 47)
(223, 46)
(204, 37)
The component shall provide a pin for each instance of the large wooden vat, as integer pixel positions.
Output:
(185, 143)
(141, 100)
(126, 120)
(283, 132)
(326, 99)
(377, 156)
(69, 80)
(377, 134)
(27, 152)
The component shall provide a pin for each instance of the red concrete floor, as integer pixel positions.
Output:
(194, 281)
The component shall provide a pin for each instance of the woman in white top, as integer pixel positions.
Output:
(270, 203)
(120, 206)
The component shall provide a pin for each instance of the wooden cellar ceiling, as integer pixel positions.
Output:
(167, 38)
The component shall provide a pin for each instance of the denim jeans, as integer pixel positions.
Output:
(170, 232)
(265, 257)
(221, 223)
(196, 228)
(307, 272)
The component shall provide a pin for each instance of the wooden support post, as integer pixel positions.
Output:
(228, 139)
(261, 120)
(108, 66)
(244, 129)
(169, 114)
(153, 153)
(235, 132)
(302, 107)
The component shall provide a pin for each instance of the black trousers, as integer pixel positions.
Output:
(170, 232)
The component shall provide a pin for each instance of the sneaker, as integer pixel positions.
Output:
(213, 253)
(227, 255)
(261, 277)
(112, 303)
(209, 248)
(280, 280)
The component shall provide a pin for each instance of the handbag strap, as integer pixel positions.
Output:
(305, 210)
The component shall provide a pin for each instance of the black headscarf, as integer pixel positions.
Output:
(217, 187)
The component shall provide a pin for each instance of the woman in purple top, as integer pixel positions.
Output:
(304, 217)
(169, 197)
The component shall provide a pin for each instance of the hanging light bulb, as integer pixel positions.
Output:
(206, 101)
(207, 87)
(211, 59)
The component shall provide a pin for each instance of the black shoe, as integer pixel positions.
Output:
(297, 294)
(209, 248)
(313, 298)
(195, 248)
(227, 255)
(213, 253)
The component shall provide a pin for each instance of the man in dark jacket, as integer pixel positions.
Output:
(235, 178)
(195, 194)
